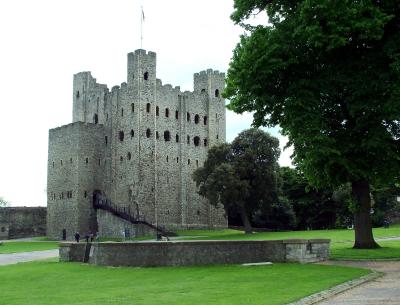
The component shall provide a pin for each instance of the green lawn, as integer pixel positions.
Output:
(27, 246)
(53, 283)
(341, 240)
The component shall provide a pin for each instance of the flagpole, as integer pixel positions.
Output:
(141, 27)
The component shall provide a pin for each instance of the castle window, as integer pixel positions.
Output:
(122, 112)
(3, 229)
(203, 90)
(205, 120)
(196, 141)
(95, 118)
(106, 116)
(188, 117)
(188, 140)
(61, 162)
(217, 137)
(70, 160)
(146, 75)
(121, 159)
(132, 133)
(197, 163)
(157, 135)
(132, 107)
(166, 112)
(133, 76)
(188, 161)
(121, 135)
(129, 155)
(87, 160)
(77, 94)
(148, 107)
(85, 194)
(167, 158)
(104, 97)
(167, 135)
(177, 159)
(62, 195)
(148, 133)
(205, 142)
(53, 164)
(177, 138)
(198, 212)
(106, 140)
(216, 93)
(99, 162)
(157, 111)
(196, 119)
(177, 114)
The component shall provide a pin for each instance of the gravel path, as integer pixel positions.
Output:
(381, 291)
(13, 258)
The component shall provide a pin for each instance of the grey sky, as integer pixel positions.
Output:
(44, 42)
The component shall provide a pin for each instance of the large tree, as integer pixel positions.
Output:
(3, 202)
(327, 72)
(243, 175)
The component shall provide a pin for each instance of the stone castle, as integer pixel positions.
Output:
(135, 147)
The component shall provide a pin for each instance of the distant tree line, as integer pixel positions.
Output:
(245, 179)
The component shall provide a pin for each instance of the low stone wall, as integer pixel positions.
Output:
(18, 222)
(184, 253)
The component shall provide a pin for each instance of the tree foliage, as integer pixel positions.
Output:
(3, 202)
(327, 72)
(242, 175)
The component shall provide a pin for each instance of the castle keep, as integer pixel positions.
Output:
(134, 149)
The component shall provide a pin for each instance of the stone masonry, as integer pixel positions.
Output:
(138, 145)
(19, 222)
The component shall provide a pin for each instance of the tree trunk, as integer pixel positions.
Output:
(362, 218)
(245, 220)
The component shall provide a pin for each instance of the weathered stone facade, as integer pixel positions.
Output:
(138, 145)
(19, 222)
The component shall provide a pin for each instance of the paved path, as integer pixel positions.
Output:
(382, 291)
(13, 258)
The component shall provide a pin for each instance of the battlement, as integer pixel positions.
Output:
(144, 52)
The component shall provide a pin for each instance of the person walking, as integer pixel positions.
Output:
(77, 237)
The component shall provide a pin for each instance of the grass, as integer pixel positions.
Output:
(341, 240)
(53, 283)
(27, 246)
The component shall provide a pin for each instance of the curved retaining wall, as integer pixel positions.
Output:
(184, 253)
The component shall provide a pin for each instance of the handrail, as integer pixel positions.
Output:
(100, 202)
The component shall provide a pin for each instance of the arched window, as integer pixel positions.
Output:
(205, 120)
(203, 90)
(216, 93)
(177, 159)
(148, 107)
(196, 141)
(188, 140)
(61, 162)
(122, 111)
(188, 117)
(166, 112)
(132, 133)
(87, 160)
(205, 142)
(95, 118)
(196, 119)
(129, 156)
(132, 107)
(177, 138)
(188, 161)
(121, 158)
(121, 135)
(148, 133)
(167, 136)
(77, 94)
(177, 114)
(146, 75)
(157, 111)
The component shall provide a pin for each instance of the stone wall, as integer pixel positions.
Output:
(19, 222)
(183, 253)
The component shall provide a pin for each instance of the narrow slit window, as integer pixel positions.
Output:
(146, 75)
(148, 107)
(166, 112)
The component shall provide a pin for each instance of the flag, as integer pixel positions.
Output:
(142, 14)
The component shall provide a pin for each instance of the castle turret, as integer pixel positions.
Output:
(212, 83)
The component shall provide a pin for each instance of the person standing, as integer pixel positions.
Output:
(77, 237)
